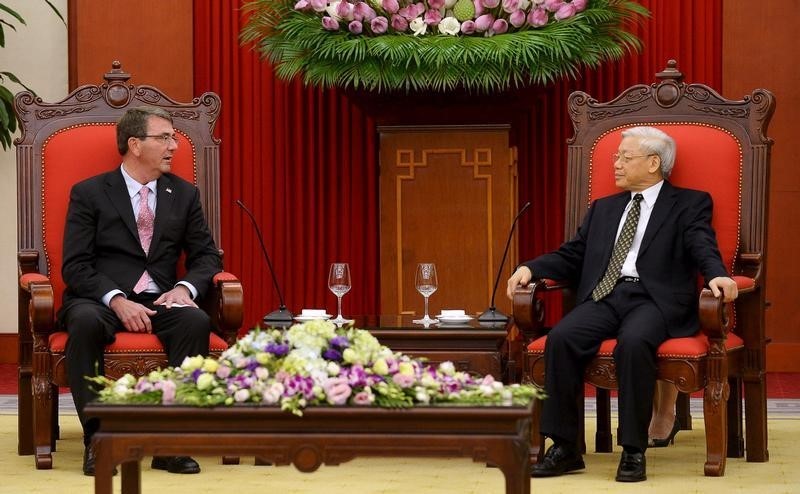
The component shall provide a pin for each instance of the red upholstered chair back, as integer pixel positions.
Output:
(709, 158)
(73, 154)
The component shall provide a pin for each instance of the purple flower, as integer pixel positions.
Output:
(281, 349)
(517, 18)
(433, 17)
(468, 27)
(331, 353)
(362, 11)
(565, 12)
(483, 22)
(356, 376)
(390, 6)
(296, 385)
(399, 23)
(500, 26)
(355, 27)
(537, 17)
(330, 23)
(340, 341)
(379, 25)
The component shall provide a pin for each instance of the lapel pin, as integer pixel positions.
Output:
(169, 191)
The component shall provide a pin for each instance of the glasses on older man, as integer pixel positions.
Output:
(164, 138)
(625, 159)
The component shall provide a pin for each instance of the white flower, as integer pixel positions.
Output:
(449, 26)
(192, 363)
(333, 368)
(524, 4)
(210, 365)
(448, 4)
(418, 26)
(205, 380)
(447, 368)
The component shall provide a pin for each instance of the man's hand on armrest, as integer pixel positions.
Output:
(135, 317)
(725, 286)
(522, 276)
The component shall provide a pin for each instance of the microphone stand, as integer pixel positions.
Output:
(492, 315)
(280, 317)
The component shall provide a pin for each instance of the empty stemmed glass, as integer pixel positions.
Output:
(426, 283)
(339, 284)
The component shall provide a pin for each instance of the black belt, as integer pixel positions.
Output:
(631, 279)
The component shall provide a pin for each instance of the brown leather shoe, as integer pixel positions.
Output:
(632, 467)
(558, 460)
(175, 464)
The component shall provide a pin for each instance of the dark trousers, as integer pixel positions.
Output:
(183, 331)
(627, 314)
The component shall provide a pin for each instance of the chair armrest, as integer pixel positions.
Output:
(528, 308)
(715, 315)
(36, 304)
(225, 305)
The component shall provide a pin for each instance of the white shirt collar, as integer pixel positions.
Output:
(133, 186)
(650, 194)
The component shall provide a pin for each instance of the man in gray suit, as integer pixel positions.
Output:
(634, 263)
(124, 234)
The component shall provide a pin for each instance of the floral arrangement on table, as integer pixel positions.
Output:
(314, 363)
(439, 44)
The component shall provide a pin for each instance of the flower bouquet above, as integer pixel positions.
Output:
(439, 45)
(311, 364)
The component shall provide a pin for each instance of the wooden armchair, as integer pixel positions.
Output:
(62, 143)
(723, 149)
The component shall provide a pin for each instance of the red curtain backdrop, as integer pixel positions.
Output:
(304, 160)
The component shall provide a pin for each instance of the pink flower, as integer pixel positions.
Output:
(223, 371)
(318, 5)
(407, 12)
(363, 12)
(433, 17)
(390, 6)
(302, 5)
(478, 7)
(510, 6)
(355, 27)
(500, 26)
(436, 4)
(490, 4)
(379, 25)
(403, 380)
(167, 392)
(419, 9)
(517, 18)
(399, 23)
(468, 27)
(553, 5)
(537, 17)
(344, 10)
(330, 23)
(580, 5)
(363, 398)
(337, 390)
(483, 22)
(565, 12)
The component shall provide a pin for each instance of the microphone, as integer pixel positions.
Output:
(282, 316)
(492, 314)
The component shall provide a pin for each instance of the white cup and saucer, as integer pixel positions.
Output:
(453, 316)
(312, 315)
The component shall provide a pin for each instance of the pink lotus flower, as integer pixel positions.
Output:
(433, 17)
(399, 23)
(483, 22)
(344, 10)
(330, 23)
(490, 4)
(302, 5)
(553, 5)
(517, 18)
(436, 4)
(379, 24)
(363, 12)
(537, 17)
(580, 5)
(390, 6)
(355, 27)
(565, 12)
(468, 27)
(500, 26)
(478, 7)
(318, 5)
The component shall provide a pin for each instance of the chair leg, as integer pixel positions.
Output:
(735, 431)
(603, 438)
(755, 403)
(715, 415)
(56, 434)
(42, 412)
(683, 411)
(24, 411)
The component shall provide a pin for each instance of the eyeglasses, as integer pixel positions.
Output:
(164, 138)
(626, 159)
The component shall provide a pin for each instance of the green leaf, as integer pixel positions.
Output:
(13, 14)
(53, 7)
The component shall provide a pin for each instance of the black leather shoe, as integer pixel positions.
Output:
(88, 461)
(670, 439)
(557, 461)
(632, 467)
(175, 464)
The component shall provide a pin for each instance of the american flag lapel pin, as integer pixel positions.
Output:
(169, 191)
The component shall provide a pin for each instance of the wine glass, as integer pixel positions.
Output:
(426, 283)
(339, 284)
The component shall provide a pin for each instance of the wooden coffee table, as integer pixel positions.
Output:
(497, 436)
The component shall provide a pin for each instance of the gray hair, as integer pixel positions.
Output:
(655, 141)
(134, 124)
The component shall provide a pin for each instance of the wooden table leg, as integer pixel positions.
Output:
(132, 477)
(103, 468)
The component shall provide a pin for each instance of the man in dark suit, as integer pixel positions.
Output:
(635, 261)
(125, 231)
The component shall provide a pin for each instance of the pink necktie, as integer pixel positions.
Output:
(144, 223)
